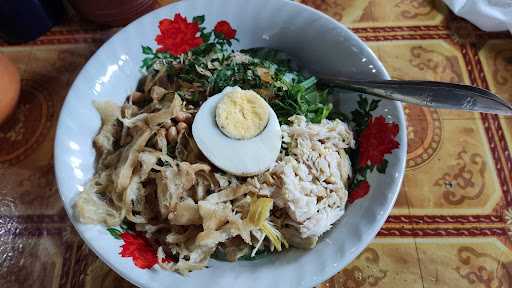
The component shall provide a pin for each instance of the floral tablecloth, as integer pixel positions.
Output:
(451, 225)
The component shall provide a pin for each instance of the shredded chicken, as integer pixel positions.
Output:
(312, 178)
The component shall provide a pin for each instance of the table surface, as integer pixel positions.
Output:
(450, 227)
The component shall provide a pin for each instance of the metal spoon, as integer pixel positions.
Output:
(425, 93)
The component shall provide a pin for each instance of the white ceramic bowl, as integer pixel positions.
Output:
(322, 44)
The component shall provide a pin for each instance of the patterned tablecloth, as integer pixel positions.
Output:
(450, 227)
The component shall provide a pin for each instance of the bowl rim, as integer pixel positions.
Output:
(383, 74)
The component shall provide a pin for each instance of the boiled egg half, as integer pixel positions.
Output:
(238, 132)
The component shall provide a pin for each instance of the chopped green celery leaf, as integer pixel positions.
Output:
(308, 82)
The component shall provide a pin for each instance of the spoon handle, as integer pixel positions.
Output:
(428, 93)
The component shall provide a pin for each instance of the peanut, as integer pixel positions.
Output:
(184, 117)
(182, 126)
(172, 135)
(137, 97)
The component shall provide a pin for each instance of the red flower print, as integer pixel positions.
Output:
(139, 249)
(224, 28)
(359, 192)
(178, 36)
(377, 140)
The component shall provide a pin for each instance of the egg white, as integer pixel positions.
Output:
(238, 157)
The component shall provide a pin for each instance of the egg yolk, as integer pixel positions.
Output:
(242, 114)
